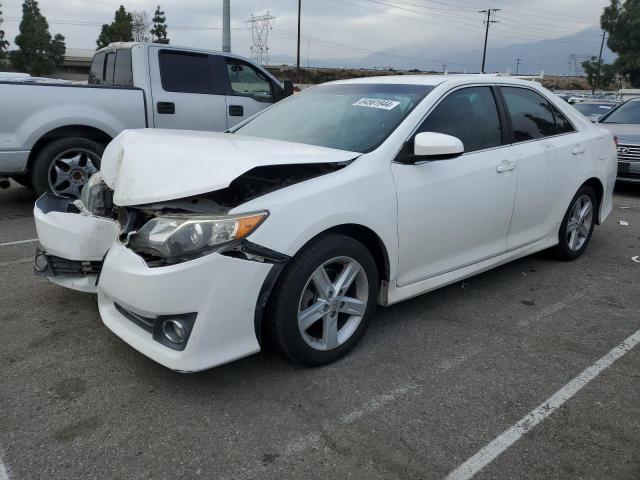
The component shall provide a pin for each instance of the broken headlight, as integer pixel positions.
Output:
(96, 196)
(171, 236)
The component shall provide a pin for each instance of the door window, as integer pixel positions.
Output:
(471, 115)
(563, 125)
(248, 81)
(186, 72)
(530, 113)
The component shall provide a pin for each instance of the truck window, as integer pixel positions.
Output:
(248, 81)
(123, 74)
(96, 73)
(186, 72)
(108, 68)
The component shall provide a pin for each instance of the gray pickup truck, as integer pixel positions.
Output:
(52, 135)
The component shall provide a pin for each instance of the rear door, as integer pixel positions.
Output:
(187, 90)
(546, 145)
(249, 90)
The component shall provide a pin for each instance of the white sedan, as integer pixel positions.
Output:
(294, 225)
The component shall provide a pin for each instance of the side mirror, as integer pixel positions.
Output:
(288, 88)
(436, 146)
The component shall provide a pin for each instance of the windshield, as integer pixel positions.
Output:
(593, 108)
(354, 117)
(626, 113)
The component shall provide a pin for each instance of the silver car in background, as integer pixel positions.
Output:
(624, 123)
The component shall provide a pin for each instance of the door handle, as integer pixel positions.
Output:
(236, 110)
(577, 150)
(506, 166)
(168, 108)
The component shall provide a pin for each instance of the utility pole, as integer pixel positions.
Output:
(597, 79)
(444, 69)
(298, 55)
(518, 61)
(488, 22)
(226, 26)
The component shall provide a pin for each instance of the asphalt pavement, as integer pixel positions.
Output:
(434, 382)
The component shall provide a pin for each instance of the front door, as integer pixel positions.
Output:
(249, 91)
(454, 213)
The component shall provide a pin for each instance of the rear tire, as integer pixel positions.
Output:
(577, 225)
(336, 278)
(60, 156)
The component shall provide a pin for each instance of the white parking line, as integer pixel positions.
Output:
(3, 471)
(6, 244)
(510, 436)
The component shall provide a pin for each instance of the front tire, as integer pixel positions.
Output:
(64, 166)
(577, 225)
(324, 300)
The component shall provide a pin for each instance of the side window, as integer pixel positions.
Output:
(530, 114)
(469, 114)
(123, 74)
(109, 66)
(563, 125)
(186, 72)
(247, 81)
(96, 73)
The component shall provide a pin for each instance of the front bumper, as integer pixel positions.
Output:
(74, 242)
(220, 289)
(629, 171)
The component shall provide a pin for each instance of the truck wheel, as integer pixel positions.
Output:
(63, 166)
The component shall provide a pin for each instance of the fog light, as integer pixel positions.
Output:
(40, 262)
(174, 331)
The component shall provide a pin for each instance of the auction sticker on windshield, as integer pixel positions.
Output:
(377, 103)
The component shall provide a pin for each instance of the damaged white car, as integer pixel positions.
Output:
(294, 225)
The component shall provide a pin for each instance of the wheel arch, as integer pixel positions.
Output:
(598, 188)
(92, 133)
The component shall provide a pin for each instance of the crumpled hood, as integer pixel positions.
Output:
(153, 165)
(626, 132)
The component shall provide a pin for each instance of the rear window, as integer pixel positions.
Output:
(109, 66)
(123, 74)
(186, 72)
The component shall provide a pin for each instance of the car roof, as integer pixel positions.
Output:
(435, 80)
(166, 46)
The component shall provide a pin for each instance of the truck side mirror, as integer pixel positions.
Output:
(288, 88)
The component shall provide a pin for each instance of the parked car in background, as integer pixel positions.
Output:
(624, 123)
(299, 221)
(52, 134)
(594, 109)
(575, 98)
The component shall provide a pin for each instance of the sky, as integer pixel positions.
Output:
(331, 29)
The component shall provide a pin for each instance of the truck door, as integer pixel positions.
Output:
(249, 90)
(186, 90)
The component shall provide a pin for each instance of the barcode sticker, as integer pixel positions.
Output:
(376, 103)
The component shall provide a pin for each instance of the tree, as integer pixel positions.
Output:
(141, 26)
(159, 30)
(601, 78)
(3, 43)
(120, 30)
(622, 22)
(37, 54)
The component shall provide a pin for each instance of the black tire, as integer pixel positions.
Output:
(563, 250)
(283, 307)
(45, 157)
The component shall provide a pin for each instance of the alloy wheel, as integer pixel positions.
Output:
(70, 171)
(333, 303)
(579, 223)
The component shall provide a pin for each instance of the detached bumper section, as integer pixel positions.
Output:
(189, 316)
(73, 244)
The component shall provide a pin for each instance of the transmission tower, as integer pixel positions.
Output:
(260, 26)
